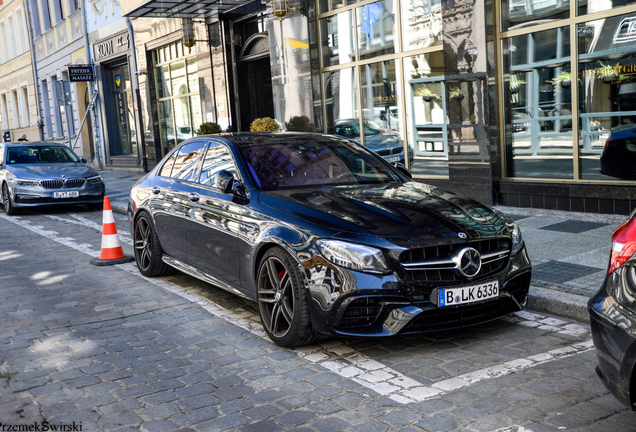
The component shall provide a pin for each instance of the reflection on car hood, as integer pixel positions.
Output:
(380, 141)
(411, 210)
(43, 171)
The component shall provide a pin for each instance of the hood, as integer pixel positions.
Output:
(380, 141)
(48, 171)
(413, 211)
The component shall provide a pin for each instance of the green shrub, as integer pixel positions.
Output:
(265, 124)
(300, 124)
(209, 128)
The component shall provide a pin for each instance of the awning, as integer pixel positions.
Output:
(175, 8)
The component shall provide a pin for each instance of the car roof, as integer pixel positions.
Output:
(34, 143)
(242, 139)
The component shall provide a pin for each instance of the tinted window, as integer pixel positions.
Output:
(186, 160)
(217, 158)
(40, 154)
(308, 163)
(166, 169)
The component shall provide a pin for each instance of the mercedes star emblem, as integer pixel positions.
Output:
(462, 235)
(468, 261)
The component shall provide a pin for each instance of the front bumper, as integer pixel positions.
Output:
(387, 306)
(614, 334)
(32, 196)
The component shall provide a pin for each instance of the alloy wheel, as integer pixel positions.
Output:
(275, 297)
(143, 244)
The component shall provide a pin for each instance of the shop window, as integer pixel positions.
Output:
(592, 6)
(520, 13)
(376, 22)
(538, 105)
(607, 95)
(336, 39)
(421, 24)
(341, 97)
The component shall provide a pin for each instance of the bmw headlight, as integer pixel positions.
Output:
(95, 180)
(18, 182)
(353, 256)
(517, 239)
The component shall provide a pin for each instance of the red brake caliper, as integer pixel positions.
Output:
(281, 274)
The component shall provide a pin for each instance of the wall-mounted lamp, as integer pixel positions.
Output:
(280, 8)
(189, 37)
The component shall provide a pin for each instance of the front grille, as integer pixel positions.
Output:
(434, 263)
(74, 183)
(52, 184)
(396, 150)
(390, 151)
(384, 152)
(361, 312)
(59, 184)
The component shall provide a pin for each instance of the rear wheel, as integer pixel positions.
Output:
(9, 208)
(147, 249)
(282, 300)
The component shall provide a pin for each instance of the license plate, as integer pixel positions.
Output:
(393, 159)
(66, 194)
(468, 294)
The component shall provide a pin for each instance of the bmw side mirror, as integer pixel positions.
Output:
(83, 159)
(224, 181)
(403, 169)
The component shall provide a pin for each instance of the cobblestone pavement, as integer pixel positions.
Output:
(112, 350)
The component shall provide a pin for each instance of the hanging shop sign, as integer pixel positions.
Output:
(81, 73)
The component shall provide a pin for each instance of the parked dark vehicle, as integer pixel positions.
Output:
(613, 317)
(39, 173)
(326, 237)
(385, 142)
(619, 155)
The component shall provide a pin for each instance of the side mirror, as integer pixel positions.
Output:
(83, 159)
(224, 181)
(403, 169)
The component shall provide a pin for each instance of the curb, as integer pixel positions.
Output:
(558, 303)
(544, 300)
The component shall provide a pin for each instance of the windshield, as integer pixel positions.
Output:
(40, 154)
(311, 163)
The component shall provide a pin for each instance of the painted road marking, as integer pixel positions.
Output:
(344, 360)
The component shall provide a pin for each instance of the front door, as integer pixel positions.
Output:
(122, 136)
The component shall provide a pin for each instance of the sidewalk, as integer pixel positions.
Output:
(569, 251)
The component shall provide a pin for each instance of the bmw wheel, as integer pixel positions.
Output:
(282, 300)
(9, 208)
(147, 249)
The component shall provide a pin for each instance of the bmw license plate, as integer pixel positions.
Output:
(66, 194)
(393, 159)
(468, 294)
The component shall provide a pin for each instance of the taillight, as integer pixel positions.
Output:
(609, 139)
(623, 244)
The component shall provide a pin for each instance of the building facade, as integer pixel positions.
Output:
(18, 109)
(487, 98)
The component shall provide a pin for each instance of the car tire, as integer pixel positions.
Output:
(9, 208)
(283, 300)
(148, 251)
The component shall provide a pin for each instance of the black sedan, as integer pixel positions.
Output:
(613, 317)
(326, 236)
(40, 173)
(619, 154)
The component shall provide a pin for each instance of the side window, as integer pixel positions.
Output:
(217, 158)
(186, 160)
(166, 169)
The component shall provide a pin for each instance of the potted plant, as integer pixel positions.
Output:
(606, 73)
(515, 84)
(265, 124)
(300, 124)
(208, 128)
(455, 93)
(426, 93)
(564, 79)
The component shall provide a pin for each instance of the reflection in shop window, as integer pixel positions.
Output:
(336, 39)
(376, 22)
(421, 23)
(341, 99)
(524, 12)
(538, 105)
(592, 6)
(607, 77)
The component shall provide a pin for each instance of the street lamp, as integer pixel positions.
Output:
(280, 8)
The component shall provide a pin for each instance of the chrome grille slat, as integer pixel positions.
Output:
(72, 183)
(52, 184)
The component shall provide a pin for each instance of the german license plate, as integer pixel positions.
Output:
(393, 159)
(65, 194)
(468, 294)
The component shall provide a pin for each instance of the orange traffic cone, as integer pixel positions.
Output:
(112, 253)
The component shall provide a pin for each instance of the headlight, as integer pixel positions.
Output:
(353, 256)
(19, 182)
(95, 180)
(517, 240)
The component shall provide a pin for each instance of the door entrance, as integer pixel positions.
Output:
(122, 136)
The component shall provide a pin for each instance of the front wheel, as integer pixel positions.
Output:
(9, 208)
(282, 300)
(147, 249)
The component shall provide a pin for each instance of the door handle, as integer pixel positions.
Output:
(156, 190)
(194, 197)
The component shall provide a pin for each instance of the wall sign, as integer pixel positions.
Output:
(113, 46)
(80, 73)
